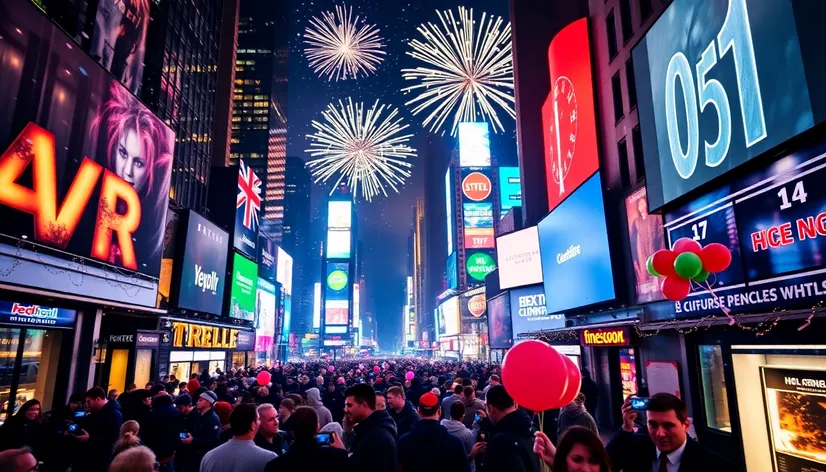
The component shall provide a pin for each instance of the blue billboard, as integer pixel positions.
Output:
(204, 266)
(37, 316)
(510, 189)
(452, 270)
(478, 215)
(529, 312)
(474, 144)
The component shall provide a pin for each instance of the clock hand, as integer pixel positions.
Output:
(558, 148)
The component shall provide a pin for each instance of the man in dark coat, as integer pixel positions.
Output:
(510, 446)
(374, 448)
(429, 445)
(666, 443)
(591, 391)
(306, 452)
(100, 430)
(203, 431)
(162, 433)
(401, 410)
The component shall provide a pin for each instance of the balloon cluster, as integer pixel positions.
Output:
(538, 377)
(687, 261)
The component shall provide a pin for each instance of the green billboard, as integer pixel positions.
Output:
(244, 286)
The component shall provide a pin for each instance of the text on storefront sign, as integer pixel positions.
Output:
(606, 337)
(211, 337)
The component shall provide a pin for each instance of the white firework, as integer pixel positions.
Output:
(338, 48)
(469, 71)
(362, 146)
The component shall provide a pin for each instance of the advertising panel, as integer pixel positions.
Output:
(336, 312)
(479, 238)
(628, 371)
(752, 61)
(474, 303)
(645, 234)
(104, 162)
(339, 214)
(452, 269)
(604, 337)
(170, 239)
(447, 318)
(338, 244)
(449, 210)
(528, 312)
(267, 258)
(189, 335)
(510, 189)
(474, 144)
(476, 186)
(37, 316)
(204, 266)
(478, 215)
(316, 305)
(247, 209)
(479, 265)
(284, 271)
(244, 283)
(519, 260)
(568, 119)
(119, 39)
(265, 316)
(337, 297)
(576, 265)
(793, 400)
(500, 334)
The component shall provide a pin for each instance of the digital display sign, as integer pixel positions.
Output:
(476, 186)
(338, 244)
(529, 312)
(500, 334)
(316, 305)
(244, 286)
(452, 269)
(519, 260)
(478, 215)
(479, 265)
(36, 316)
(719, 88)
(284, 270)
(204, 266)
(119, 39)
(447, 317)
(568, 119)
(510, 189)
(265, 305)
(576, 264)
(336, 312)
(267, 258)
(449, 210)
(603, 337)
(339, 214)
(479, 238)
(247, 209)
(474, 145)
(645, 235)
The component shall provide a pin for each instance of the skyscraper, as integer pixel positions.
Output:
(259, 116)
(296, 241)
(418, 259)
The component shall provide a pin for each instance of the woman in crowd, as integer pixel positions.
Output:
(23, 429)
(136, 459)
(128, 437)
(579, 450)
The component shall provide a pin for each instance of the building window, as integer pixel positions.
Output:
(631, 81)
(639, 157)
(616, 87)
(645, 10)
(715, 401)
(625, 20)
(625, 171)
(611, 28)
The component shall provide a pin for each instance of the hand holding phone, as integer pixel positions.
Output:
(324, 438)
(639, 403)
(478, 417)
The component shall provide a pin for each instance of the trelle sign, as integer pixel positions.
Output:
(203, 269)
(721, 83)
(568, 120)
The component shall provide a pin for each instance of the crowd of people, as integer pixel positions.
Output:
(391, 415)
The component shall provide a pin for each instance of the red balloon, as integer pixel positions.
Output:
(687, 245)
(535, 375)
(574, 382)
(376, 369)
(716, 257)
(675, 288)
(663, 262)
(263, 378)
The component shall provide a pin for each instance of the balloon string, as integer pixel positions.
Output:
(726, 310)
(542, 430)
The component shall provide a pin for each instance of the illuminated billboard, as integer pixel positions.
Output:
(284, 270)
(317, 305)
(474, 145)
(119, 39)
(519, 260)
(339, 214)
(478, 215)
(338, 244)
(447, 318)
(337, 294)
(510, 189)
(265, 320)
(244, 287)
(449, 209)
(476, 186)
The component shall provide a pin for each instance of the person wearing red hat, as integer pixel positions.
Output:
(428, 446)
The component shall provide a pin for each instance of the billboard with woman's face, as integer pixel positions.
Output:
(85, 169)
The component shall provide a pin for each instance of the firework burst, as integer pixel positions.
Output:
(339, 49)
(363, 147)
(469, 71)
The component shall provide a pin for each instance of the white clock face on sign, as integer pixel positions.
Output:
(563, 129)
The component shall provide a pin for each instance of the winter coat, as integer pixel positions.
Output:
(635, 452)
(206, 433)
(374, 449)
(447, 402)
(575, 415)
(471, 407)
(404, 419)
(308, 455)
(510, 446)
(103, 427)
(415, 392)
(591, 391)
(279, 444)
(163, 428)
(314, 401)
(467, 436)
(428, 447)
(16, 432)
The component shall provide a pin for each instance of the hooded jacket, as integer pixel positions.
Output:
(467, 436)
(374, 449)
(314, 400)
(471, 407)
(405, 418)
(428, 447)
(510, 447)
(573, 414)
(162, 433)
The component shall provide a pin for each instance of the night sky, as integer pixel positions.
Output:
(384, 223)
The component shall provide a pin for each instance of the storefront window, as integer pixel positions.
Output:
(9, 339)
(715, 400)
(38, 367)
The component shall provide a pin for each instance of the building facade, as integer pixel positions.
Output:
(296, 240)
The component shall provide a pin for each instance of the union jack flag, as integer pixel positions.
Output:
(249, 195)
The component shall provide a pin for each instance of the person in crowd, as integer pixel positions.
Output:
(374, 447)
(336, 400)
(136, 459)
(401, 410)
(112, 396)
(18, 460)
(24, 429)
(306, 450)
(591, 391)
(128, 438)
(575, 414)
(140, 406)
(472, 405)
(447, 391)
(223, 393)
(437, 392)
(269, 437)
(99, 431)
(493, 381)
(381, 401)
(285, 411)
(456, 397)
(223, 410)
(193, 384)
(239, 454)
(297, 399)
(262, 395)
(665, 447)
(314, 401)
(60, 449)
(162, 433)
(456, 427)
(428, 446)
(510, 446)
(202, 429)
(416, 390)
(580, 450)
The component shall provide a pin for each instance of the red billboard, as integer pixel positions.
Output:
(568, 120)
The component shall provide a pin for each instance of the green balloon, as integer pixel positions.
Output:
(688, 265)
(701, 277)
(650, 264)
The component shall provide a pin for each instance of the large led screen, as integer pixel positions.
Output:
(569, 123)
(479, 264)
(529, 312)
(573, 242)
(452, 269)
(510, 189)
(284, 270)
(339, 214)
(449, 210)
(119, 39)
(500, 334)
(721, 81)
(338, 244)
(265, 316)
(447, 317)
(336, 313)
(645, 235)
(92, 217)
(244, 284)
(478, 215)
(170, 240)
(474, 145)
(519, 260)
(204, 266)
(337, 294)
(267, 258)
(247, 208)
(476, 186)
